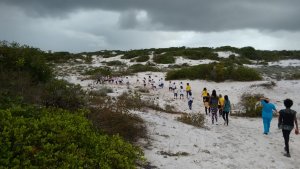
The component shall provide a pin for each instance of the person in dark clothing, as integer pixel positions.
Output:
(226, 109)
(286, 120)
(213, 104)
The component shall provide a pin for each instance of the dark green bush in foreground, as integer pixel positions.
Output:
(55, 138)
(216, 72)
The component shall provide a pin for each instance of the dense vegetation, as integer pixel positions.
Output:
(43, 121)
(216, 72)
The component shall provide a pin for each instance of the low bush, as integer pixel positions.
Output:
(143, 58)
(249, 103)
(100, 70)
(54, 138)
(59, 93)
(115, 63)
(215, 71)
(113, 116)
(267, 85)
(166, 58)
(197, 120)
(142, 68)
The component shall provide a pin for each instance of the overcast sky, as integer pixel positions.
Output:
(91, 25)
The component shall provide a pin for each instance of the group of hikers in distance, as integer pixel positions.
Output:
(213, 104)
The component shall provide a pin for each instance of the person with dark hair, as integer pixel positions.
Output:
(220, 105)
(204, 94)
(286, 120)
(206, 104)
(190, 100)
(267, 113)
(188, 89)
(226, 109)
(213, 104)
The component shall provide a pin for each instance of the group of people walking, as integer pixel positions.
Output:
(214, 104)
(287, 120)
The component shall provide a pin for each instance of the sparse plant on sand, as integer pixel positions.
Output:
(195, 119)
(250, 105)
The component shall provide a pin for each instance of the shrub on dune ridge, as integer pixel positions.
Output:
(216, 72)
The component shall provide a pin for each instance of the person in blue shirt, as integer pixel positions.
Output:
(226, 109)
(267, 113)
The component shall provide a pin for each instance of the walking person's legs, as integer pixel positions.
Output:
(227, 118)
(223, 115)
(286, 136)
(265, 125)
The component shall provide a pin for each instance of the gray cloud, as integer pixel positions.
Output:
(188, 15)
(77, 26)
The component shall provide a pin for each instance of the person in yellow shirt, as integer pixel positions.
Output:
(221, 104)
(188, 90)
(204, 94)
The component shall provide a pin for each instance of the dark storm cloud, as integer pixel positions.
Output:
(194, 15)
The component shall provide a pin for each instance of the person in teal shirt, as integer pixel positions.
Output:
(267, 113)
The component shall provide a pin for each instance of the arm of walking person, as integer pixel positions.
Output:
(296, 123)
(280, 120)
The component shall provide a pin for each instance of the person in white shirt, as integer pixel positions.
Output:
(190, 100)
(181, 92)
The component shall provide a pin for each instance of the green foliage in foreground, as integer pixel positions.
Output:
(216, 72)
(55, 138)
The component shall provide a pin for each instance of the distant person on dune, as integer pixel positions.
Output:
(226, 109)
(206, 104)
(286, 120)
(220, 105)
(204, 94)
(267, 113)
(188, 89)
(190, 100)
(181, 92)
(213, 104)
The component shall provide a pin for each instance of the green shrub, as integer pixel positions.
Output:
(16, 58)
(295, 76)
(143, 58)
(166, 58)
(197, 120)
(113, 116)
(201, 54)
(100, 70)
(55, 138)
(115, 63)
(59, 93)
(142, 68)
(215, 71)
(249, 104)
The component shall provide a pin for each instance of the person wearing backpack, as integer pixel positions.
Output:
(213, 104)
(286, 120)
(226, 109)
